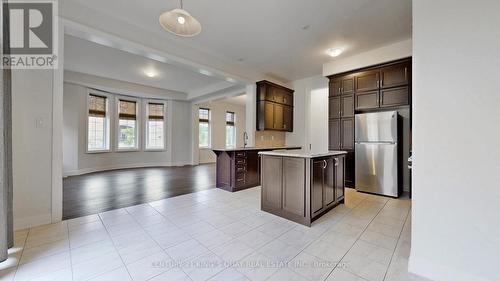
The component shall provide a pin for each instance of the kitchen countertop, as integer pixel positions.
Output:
(302, 153)
(256, 148)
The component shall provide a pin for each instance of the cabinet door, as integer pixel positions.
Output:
(288, 118)
(347, 84)
(272, 182)
(268, 115)
(278, 117)
(367, 100)
(335, 87)
(287, 98)
(394, 75)
(347, 106)
(367, 81)
(252, 167)
(349, 169)
(334, 107)
(317, 187)
(347, 130)
(293, 186)
(334, 134)
(339, 177)
(394, 97)
(329, 184)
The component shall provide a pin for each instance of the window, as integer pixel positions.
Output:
(155, 127)
(230, 129)
(97, 123)
(127, 124)
(204, 127)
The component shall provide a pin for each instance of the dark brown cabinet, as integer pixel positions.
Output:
(347, 132)
(327, 183)
(274, 107)
(301, 189)
(347, 106)
(394, 75)
(334, 135)
(239, 169)
(367, 81)
(394, 97)
(374, 88)
(367, 100)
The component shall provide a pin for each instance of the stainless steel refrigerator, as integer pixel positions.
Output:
(377, 153)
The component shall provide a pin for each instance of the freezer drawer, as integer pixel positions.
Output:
(376, 168)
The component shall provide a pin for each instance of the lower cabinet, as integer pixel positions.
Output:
(301, 189)
(327, 183)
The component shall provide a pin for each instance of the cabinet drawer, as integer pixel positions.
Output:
(240, 179)
(241, 168)
(240, 161)
(241, 154)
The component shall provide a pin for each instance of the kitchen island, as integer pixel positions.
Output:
(300, 186)
(239, 168)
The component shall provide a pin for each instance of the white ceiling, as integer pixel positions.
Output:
(238, 100)
(91, 58)
(269, 35)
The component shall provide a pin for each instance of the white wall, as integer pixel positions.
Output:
(32, 146)
(77, 161)
(218, 127)
(456, 117)
(303, 129)
(379, 55)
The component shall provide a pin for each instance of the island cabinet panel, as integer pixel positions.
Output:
(301, 189)
(317, 181)
(271, 197)
(293, 186)
(339, 178)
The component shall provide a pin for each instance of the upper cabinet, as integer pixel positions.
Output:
(394, 75)
(274, 107)
(367, 81)
(341, 86)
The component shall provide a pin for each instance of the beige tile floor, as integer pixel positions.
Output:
(216, 235)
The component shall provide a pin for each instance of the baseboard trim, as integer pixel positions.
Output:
(433, 271)
(118, 167)
(27, 222)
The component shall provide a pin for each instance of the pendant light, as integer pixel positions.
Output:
(180, 22)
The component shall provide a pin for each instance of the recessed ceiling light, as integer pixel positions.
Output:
(231, 80)
(334, 52)
(205, 72)
(150, 73)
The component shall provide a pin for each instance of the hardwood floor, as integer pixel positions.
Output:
(103, 191)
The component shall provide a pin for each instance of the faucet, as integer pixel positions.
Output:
(245, 139)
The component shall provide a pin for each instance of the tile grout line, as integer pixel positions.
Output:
(399, 239)
(116, 249)
(70, 255)
(357, 239)
(22, 252)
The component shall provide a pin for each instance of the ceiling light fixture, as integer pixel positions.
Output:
(180, 22)
(150, 73)
(334, 52)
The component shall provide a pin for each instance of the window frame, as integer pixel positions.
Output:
(145, 132)
(208, 121)
(232, 124)
(138, 134)
(107, 124)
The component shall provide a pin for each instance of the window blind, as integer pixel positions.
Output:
(230, 118)
(128, 110)
(204, 115)
(156, 111)
(97, 106)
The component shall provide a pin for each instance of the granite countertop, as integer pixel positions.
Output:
(302, 153)
(257, 148)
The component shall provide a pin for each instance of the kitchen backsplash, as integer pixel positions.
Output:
(269, 138)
